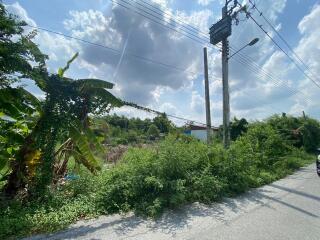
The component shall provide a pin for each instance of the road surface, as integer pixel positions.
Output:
(286, 209)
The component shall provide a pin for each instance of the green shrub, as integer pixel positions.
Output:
(148, 181)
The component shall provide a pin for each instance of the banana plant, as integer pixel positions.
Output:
(64, 116)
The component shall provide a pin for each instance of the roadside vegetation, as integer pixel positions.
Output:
(54, 168)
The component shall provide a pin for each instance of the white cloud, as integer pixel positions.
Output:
(197, 103)
(252, 95)
(19, 11)
(204, 2)
(137, 79)
(308, 50)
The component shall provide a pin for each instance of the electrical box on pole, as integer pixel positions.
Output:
(220, 30)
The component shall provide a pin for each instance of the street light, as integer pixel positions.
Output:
(253, 42)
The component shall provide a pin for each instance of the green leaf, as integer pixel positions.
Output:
(15, 102)
(85, 84)
(61, 71)
(83, 152)
(3, 161)
(106, 97)
(10, 150)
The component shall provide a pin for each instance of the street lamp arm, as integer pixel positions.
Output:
(253, 42)
(238, 51)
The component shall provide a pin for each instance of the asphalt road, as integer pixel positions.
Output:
(286, 209)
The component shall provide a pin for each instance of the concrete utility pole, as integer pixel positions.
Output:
(207, 96)
(225, 86)
(219, 32)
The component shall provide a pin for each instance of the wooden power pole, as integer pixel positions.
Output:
(207, 95)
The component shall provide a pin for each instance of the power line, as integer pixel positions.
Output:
(162, 14)
(118, 52)
(146, 109)
(135, 10)
(257, 69)
(177, 19)
(260, 73)
(197, 39)
(271, 38)
(163, 20)
(278, 33)
(283, 39)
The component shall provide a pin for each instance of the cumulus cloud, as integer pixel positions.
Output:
(58, 48)
(19, 11)
(308, 50)
(135, 39)
(204, 2)
(137, 78)
(251, 84)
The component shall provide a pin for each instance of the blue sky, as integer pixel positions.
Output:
(267, 83)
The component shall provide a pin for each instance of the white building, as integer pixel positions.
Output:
(200, 132)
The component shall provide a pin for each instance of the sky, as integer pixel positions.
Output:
(158, 62)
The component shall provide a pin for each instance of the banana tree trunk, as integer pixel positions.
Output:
(17, 179)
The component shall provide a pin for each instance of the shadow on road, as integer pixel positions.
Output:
(290, 190)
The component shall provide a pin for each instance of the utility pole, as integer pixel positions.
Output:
(225, 85)
(219, 32)
(207, 96)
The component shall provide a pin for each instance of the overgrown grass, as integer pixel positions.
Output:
(178, 171)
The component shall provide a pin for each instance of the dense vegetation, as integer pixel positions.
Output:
(32, 130)
(50, 175)
(114, 129)
(177, 171)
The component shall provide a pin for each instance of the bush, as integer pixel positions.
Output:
(298, 131)
(153, 132)
(148, 181)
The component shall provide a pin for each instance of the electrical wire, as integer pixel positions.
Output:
(162, 13)
(244, 61)
(118, 52)
(257, 69)
(176, 19)
(278, 33)
(135, 10)
(146, 109)
(293, 61)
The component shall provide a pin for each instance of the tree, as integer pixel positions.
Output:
(153, 132)
(19, 55)
(310, 134)
(163, 123)
(298, 131)
(64, 116)
(20, 58)
(238, 127)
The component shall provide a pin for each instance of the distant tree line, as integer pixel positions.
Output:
(115, 129)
